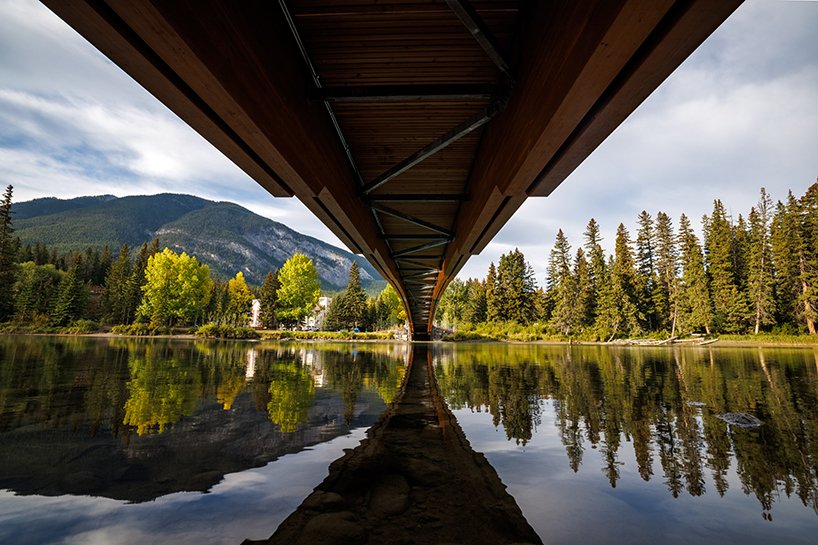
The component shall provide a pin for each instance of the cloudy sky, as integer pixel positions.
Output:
(740, 113)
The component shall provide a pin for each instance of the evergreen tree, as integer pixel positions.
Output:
(72, 298)
(352, 308)
(452, 306)
(475, 311)
(740, 253)
(646, 279)
(596, 259)
(8, 256)
(808, 256)
(618, 298)
(515, 288)
(35, 291)
(665, 295)
(117, 298)
(760, 280)
(561, 286)
(105, 261)
(785, 244)
(694, 306)
(584, 295)
(268, 297)
(730, 310)
(492, 303)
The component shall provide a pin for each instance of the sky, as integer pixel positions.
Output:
(738, 114)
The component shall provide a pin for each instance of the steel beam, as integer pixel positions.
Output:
(472, 21)
(411, 219)
(474, 122)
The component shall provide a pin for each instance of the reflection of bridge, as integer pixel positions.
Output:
(413, 130)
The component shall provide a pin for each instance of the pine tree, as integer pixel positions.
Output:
(624, 277)
(515, 288)
(646, 280)
(492, 304)
(665, 294)
(268, 297)
(354, 309)
(760, 280)
(71, 300)
(117, 297)
(584, 294)
(785, 243)
(596, 259)
(561, 285)
(694, 306)
(475, 311)
(808, 256)
(8, 256)
(730, 310)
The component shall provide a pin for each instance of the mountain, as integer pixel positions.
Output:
(224, 235)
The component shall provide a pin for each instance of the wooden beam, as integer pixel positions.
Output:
(389, 93)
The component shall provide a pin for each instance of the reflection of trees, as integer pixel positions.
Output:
(163, 388)
(150, 384)
(652, 399)
(291, 395)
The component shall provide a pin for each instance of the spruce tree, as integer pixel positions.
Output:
(760, 280)
(117, 298)
(808, 256)
(492, 304)
(8, 256)
(596, 260)
(72, 298)
(785, 242)
(646, 280)
(561, 285)
(694, 306)
(624, 275)
(584, 294)
(515, 288)
(730, 311)
(268, 297)
(667, 268)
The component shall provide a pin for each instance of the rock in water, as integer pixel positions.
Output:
(742, 420)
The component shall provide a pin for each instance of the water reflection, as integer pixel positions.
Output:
(664, 403)
(137, 419)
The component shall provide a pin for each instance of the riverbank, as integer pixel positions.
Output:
(761, 340)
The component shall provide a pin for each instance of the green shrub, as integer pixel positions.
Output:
(213, 331)
(81, 327)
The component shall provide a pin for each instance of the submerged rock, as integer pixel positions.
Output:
(742, 420)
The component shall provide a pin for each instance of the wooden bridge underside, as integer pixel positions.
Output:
(412, 129)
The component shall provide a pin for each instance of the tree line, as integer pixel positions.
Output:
(43, 289)
(750, 274)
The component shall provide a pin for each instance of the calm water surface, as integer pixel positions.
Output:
(157, 441)
(625, 445)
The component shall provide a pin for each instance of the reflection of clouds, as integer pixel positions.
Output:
(249, 504)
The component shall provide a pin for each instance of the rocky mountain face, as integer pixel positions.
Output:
(223, 235)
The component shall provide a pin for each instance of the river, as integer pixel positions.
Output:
(116, 440)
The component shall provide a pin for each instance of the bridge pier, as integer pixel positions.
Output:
(414, 479)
